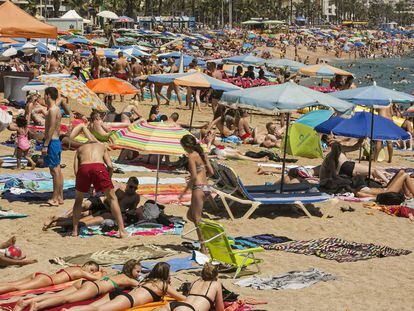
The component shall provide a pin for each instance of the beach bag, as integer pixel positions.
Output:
(150, 210)
(390, 198)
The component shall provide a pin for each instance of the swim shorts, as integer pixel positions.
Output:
(123, 76)
(54, 152)
(94, 174)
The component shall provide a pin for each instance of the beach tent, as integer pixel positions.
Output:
(14, 22)
(304, 141)
(72, 14)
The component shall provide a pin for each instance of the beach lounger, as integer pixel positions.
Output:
(255, 199)
(219, 247)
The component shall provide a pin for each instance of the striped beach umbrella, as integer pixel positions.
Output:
(153, 138)
(323, 70)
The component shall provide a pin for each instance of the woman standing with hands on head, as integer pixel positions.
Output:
(200, 168)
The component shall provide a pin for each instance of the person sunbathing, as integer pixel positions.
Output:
(152, 289)
(86, 289)
(11, 255)
(37, 280)
(98, 128)
(205, 294)
(401, 183)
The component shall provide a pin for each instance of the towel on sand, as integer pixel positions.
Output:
(116, 256)
(338, 249)
(35, 197)
(10, 161)
(10, 215)
(290, 280)
(53, 288)
(258, 240)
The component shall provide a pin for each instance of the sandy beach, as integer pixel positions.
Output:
(375, 284)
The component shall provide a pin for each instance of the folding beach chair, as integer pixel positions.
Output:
(219, 247)
(242, 195)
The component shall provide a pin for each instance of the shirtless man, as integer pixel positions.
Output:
(172, 86)
(136, 71)
(245, 132)
(95, 64)
(54, 65)
(52, 147)
(121, 67)
(215, 95)
(386, 112)
(127, 195)
(130, 113)
(93, 166)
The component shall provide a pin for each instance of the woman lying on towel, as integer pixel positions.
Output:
(152, 289)
(89, 271)
(401, 183)
(85, 289)
(205, 294)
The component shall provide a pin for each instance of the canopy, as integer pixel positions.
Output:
(135, 52)
(323, 70)
(284, 97)
(111, 86)
(247, 59)
(72, 14)
(359, 126)
(193, 79)
(374, 95)
(14, 22)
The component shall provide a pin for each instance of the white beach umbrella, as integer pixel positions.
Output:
(108, 14)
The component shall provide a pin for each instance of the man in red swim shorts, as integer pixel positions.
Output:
(93, 166)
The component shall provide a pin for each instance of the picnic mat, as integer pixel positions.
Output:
(116, 256)
(338, 249)
(258, 240)
(10, 161)
(289, 280)
(53, 288)
(143, 229)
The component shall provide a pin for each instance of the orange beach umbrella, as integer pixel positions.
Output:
(111, 85)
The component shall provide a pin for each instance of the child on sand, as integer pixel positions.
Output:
(23, 144)
(38, 280)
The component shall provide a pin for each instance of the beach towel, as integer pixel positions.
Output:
(393, 210)
(148, 180)
(27, 176)
(142, 229)
(42, 185)
(289, 280)
(10, 215)
(116, 256)
(10, 305)
(21, 293)
(145, 167)
(152, 305)
(37, 146)
(10, 161)
(176, 264)
(258, 240)
(338, 249)
(395, 170)
(35, 197)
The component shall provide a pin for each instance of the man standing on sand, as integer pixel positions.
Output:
(386, 112)
(121, 67)
(52, 147)
(93, 166)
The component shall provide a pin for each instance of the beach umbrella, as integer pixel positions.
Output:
(135, 52)
(112, 86)
(107, 53)
(315, 117)
(327, 126)
(37, 85)
(247, 59)
(125, 19)
(108, 15)
(285, 97)
(284, 62)
(153, 138)
(76, 90)
(323, 70)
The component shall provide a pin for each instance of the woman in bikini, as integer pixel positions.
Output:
(85, 289)
(199, 167)
(38, 280)
(205, 294)
(152, 289)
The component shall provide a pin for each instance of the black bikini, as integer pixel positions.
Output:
(118, 292)
(176, 304)
(154, 296)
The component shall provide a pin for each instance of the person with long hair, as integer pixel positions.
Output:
(86, 289)
(199, 168)
(38, 280)
(23, 143)
(205, 294)
(152, 289)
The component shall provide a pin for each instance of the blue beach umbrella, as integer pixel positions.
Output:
(284, 62)
(327, 126)
(247, 59)
(314, 118)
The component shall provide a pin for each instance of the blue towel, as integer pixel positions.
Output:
(176, 264)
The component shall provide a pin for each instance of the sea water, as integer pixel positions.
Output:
(392, 73)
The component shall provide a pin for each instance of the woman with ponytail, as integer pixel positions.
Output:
(199, 168)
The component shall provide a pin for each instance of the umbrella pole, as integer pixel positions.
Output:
(47, 44)
(282, 180)
(371, 144)
(192, 113)
(360, 154)
(157, 177)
